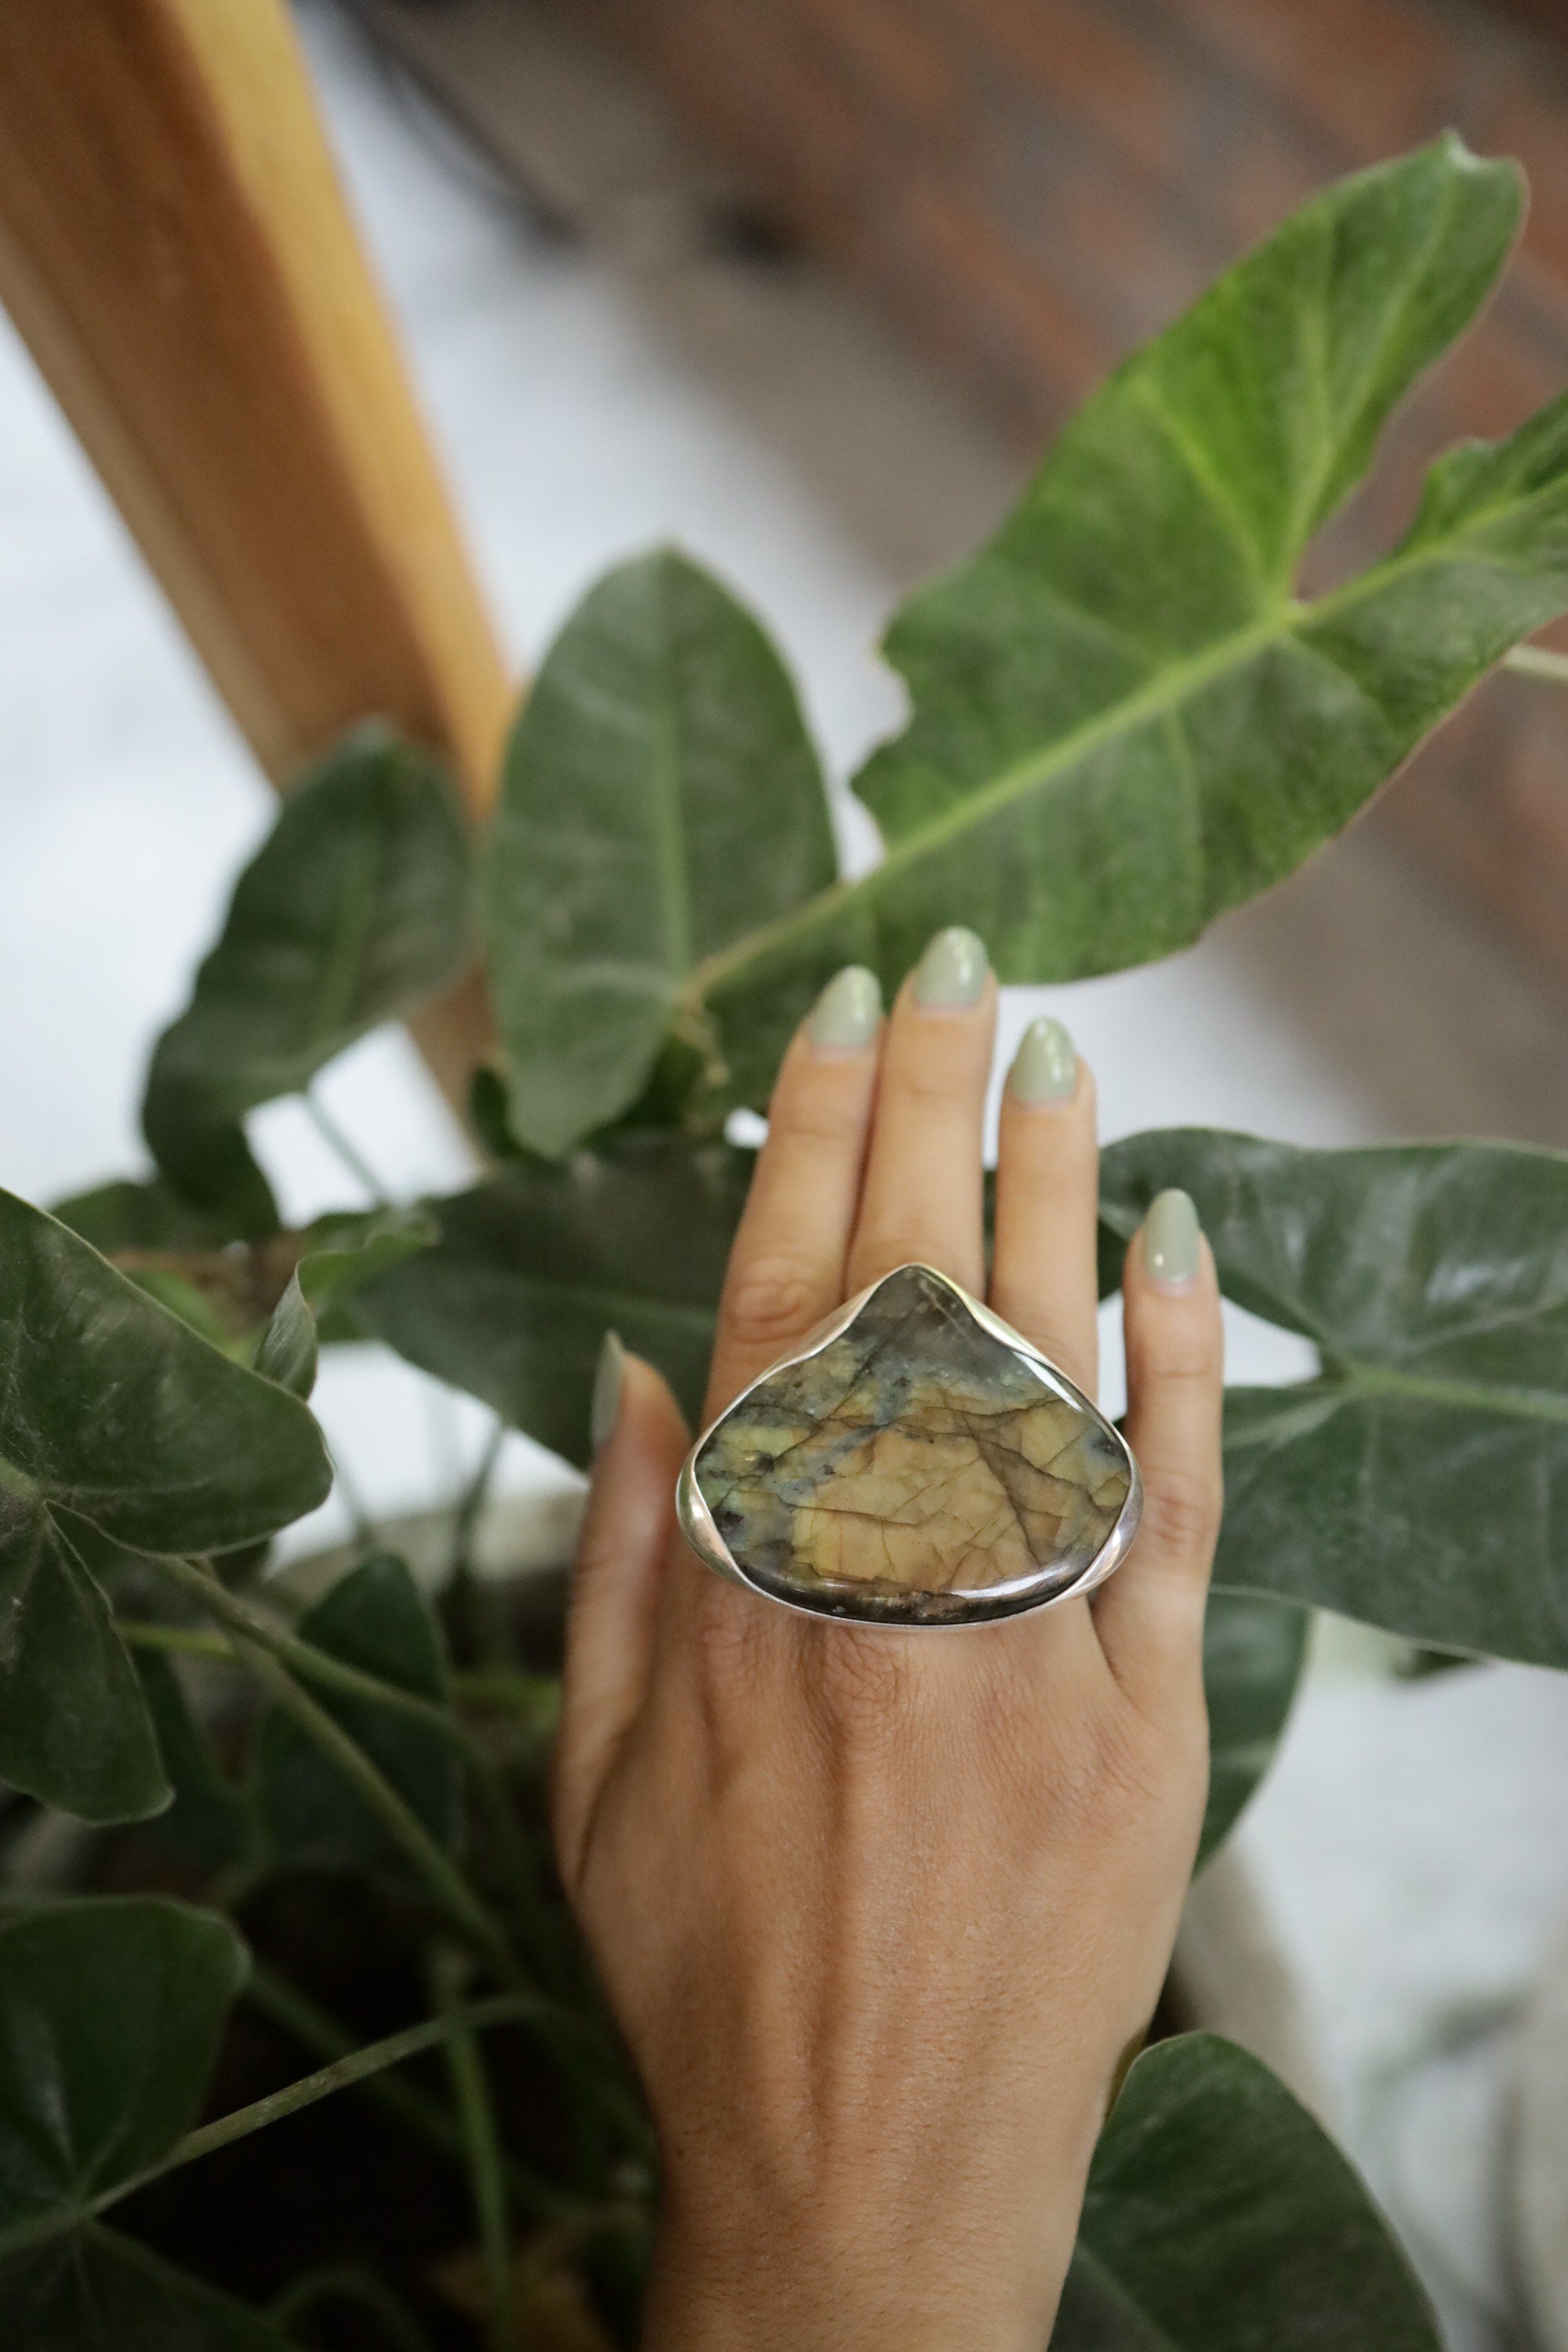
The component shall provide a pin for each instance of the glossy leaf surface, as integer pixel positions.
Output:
(1220, 2218)
(661, 798)
(1421, 1480)
(111, 2011)
(95, 2291)
(355, 910)
(376, 1619)
(1254, 1651)
(112, 1410)
(1124, 720)
(531, 1270)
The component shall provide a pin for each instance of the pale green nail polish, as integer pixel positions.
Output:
(951, 973)
(1045, 1067)
(1171, 1239)
(608, 1375)
(849, 1012)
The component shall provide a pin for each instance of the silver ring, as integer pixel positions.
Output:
(914, 1461)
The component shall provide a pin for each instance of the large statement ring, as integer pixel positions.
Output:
(915, 1461)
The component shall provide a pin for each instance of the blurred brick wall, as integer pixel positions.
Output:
(1032, 187)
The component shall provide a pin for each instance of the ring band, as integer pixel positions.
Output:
(914, 1461)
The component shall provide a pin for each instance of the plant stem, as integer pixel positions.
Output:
(1538, 661)
(500, 2009)
(347, 1151)
(532, 1695)
(347, 2283)
(473, 1502)
(477, 2116)
(316, 2030)
(440, 1873)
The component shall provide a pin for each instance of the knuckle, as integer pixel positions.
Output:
(1182, 1509)
(771, 1298)
(863, 1686)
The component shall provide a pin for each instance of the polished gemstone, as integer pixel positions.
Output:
(916, 1469)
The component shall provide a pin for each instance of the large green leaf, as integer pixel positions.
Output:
(112, 1410)
(1124, 721)
(1420, 1482)
(661, 798)
(355, 910)
(1220, 2218)
(209, 1823)
(111, 2011)
(375, 1619)
(532, 1269)
(95, 2291)
(1254, 1651)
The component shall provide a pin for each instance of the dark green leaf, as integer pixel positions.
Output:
(289, 1349)
(1220, 2218)
(375, 1619)
(344, 1254)
(532, 1269)
(1254, 1651)
(1420, 1482)
(355, 910)
(129, 1214)
(209, 1823)
(661, 798)
(112, 1410)
(1124, 722)
(95, 2291)
(111, 2011)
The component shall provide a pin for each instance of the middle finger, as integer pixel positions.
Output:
(923, 1197)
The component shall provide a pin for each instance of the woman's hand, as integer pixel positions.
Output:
(880, 1912)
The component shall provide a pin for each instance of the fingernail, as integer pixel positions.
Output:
(1171, 1239)
(951, 973)
(1045, 1067)
(849, 1012)
(608, 1375)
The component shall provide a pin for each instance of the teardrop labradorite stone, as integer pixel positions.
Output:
(916, 1470)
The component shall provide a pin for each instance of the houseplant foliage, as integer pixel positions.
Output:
(1124, 719)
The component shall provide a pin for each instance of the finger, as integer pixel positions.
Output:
(1043, 1276)
(922, 1198)
(786, 1267)
(614, 1584)
(1150, 1616)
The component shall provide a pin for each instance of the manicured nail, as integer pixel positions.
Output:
(1170, 1240)
(608, 1375)
(951, 973)
(849, 1012)
(1045, 1067)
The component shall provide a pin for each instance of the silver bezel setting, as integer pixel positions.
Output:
(697, 1522)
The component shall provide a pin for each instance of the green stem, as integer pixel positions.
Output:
(500, 2009)
(347, 1151)
(440, 1873)
(504, 1689)
(473, 1502)
(477, 2116)
(347, 2283)
(316, 2030)
(1538, 661)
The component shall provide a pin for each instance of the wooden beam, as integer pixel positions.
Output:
(175, 250)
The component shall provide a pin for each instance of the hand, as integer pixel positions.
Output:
(881, 1912)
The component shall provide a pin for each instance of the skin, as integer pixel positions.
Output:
(881, 1914)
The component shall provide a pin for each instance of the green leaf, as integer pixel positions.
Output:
(288, 1351)
(95, 2291)
(375, 1619)
(661, 798)
(209, 1823)
(1254, 1651)
(132, 1214)
(1420, 1482)
(111, 2011)
(112, 1410)
(532, 1269)
(1220, 2218)
(1124, 721)
(355, 910)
